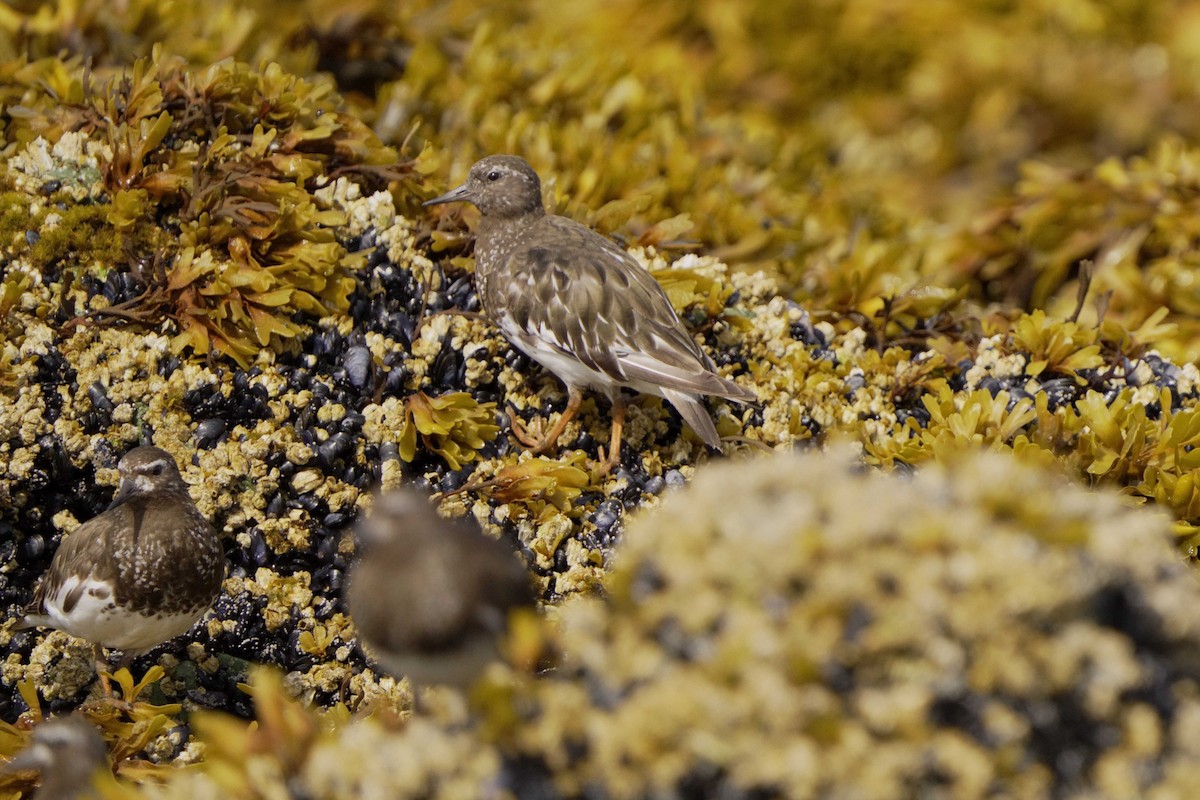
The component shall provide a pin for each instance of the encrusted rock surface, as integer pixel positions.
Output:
(798, 626)
(282, 456)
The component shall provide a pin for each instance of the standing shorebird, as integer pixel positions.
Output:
(138, 574)
(431, 597)
(580, 306)
(71, 757)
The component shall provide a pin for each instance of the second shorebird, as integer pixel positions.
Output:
(580, 306)
(70, 755)
(138, 574)
(432, 597)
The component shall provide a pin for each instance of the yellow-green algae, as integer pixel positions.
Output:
(203, 184)
(799, 627)
(1133, 221)
(829, 140)
(135, 730)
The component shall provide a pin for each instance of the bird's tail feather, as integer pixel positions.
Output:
(31, 620)
(695, 414)
(736, 393)
(645, 368)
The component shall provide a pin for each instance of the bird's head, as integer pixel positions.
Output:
(500, 187)
(67, 749)
(144, 470)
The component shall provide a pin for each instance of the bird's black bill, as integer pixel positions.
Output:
(32, 757)
(124, 492)
(453, 196)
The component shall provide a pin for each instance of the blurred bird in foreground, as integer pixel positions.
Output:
(582, 307)
(431, 598)
(138, 574)
(71, 757)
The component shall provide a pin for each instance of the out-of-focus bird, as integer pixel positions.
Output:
(430, 597)
(71, 757)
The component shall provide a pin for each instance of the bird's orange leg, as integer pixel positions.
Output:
(101, 663)
(541, 444)
(102, 672)
(614, 445)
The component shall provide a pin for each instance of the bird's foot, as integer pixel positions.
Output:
(547, 440)
(606, 463)
(537, 442)
(109, 700)
(107, 707)
(100, 662)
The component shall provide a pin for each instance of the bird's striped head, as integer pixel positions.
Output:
(144, 470)
(500, 187)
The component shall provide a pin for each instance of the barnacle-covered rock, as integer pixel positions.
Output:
(202, 245)
(329, 755)
(797, 627)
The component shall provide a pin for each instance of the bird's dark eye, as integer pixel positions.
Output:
(494, 175)
(157, 469)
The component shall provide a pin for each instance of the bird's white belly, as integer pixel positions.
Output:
(96, 618)
(574, 372)
(570, 371)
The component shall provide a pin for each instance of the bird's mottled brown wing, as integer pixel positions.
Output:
(84, 551)
(578, 293)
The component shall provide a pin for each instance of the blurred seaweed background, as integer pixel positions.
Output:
(1008, 188)
(857, 147)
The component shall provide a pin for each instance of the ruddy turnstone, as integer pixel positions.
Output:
(138, 574)
(70, 755)
(430, 597)
(581, 306)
